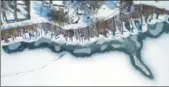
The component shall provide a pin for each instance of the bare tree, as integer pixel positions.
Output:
(59, 16)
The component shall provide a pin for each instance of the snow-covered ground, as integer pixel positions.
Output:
(112, 68)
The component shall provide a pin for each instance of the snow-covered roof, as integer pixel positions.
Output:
(22, 23)
(160, 4)
(57, 2)
(105, 13)
(75, 26)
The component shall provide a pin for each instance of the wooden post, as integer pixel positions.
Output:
(97, 27)
(164, 11)
(68, 35)
(79, 36)
(152, 13)
(114, 28)
(132, 26)
(121, 23)
(141, 16)
(88, 33)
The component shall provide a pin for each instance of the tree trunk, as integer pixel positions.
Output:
(28, 6)
(97, 28)
(89, 32)
(15, 10)
(4, 17)
(51, 2)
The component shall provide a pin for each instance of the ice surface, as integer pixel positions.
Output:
(103, 47)
(158, 29)
(57, 48)
(116, 45)
(83, 50)
(14, 46)
(42, 40)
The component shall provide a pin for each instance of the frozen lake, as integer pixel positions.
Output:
(38, 67)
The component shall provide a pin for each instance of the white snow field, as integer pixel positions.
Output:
(111, 68)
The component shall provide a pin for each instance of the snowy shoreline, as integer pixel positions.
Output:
(62, 40)
(162, 18)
